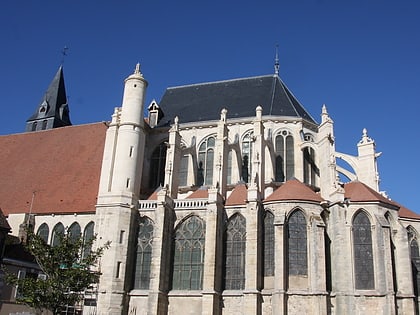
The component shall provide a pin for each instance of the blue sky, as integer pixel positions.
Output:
(360, 58)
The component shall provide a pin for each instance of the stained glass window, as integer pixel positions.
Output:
(268, 244)
(285, 156)
(157, 166)
(74, 231)
(183, 171)
(87, 237)
(43, 232)
(189, 255)
(205, 162)
(58, 229)
(235, 253)
(297, 244)
(415, 259)
(144, 254)
(363, 254)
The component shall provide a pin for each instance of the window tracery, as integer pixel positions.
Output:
(297, 244)
(143, 254)
(285, 156)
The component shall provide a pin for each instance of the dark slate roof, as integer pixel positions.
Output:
(202, 102)
(55, 99)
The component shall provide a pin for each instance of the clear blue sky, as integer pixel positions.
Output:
(361, 58)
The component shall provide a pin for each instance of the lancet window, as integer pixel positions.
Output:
(297, 248)
(43, 232)
(157, 166)
(189, 255)
(268, 244)
(247, 141)
(363, 253)
(87, 237)
(74, 231)
(144, 254)
(235, 241)
(285, 156)
(205, 162)
(415, 259)
(58, 229)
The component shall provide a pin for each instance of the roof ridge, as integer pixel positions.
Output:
(216, 82)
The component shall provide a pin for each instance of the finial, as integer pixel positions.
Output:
(64, 54)
(137, 70)
(223, 114)
(365, 137)
(276, 61)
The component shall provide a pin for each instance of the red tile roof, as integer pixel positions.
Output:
(238, 196)
(201, 193)
(294, 190)
(360, 192)
(62, 166)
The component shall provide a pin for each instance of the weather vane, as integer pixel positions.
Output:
(64, 54)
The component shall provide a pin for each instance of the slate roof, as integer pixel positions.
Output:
(62, 166)
(203, 102)
(56, 99)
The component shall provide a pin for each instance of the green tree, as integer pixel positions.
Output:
(69, 269)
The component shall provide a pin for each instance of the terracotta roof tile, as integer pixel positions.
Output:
(359, 192)
(404, 212)
(294, 190)
(62, 166)
(238, 196)
(201, 193)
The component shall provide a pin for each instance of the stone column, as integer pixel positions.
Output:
(213, 258)
(161, 255)
(252, 293)
(279, 299)
(173, 160)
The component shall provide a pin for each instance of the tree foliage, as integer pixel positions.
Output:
(69, 269)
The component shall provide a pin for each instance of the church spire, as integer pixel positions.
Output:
(53, 110)
(276, 62)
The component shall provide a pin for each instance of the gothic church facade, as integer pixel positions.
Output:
(227, 199)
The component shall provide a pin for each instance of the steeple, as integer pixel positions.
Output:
(53, 110)
(277, 62)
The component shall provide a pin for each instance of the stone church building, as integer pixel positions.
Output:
(228, 198)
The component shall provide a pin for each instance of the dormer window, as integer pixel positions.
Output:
(155, 114)
(43, 109)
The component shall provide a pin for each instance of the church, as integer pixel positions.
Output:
(226, 198)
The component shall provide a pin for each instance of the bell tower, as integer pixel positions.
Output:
(119, 189)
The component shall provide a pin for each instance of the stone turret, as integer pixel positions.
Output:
(119, 190)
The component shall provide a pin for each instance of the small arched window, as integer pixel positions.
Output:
(34, 124)
(363, 254)
(297, 248)
(157, 166)
(74, 231)
(285, 156)
(144, 254)
(205, 162)
(57, 230)
(189, 255)
(43, 232)
(235, 253)
(268, 244)
(87, 238)
(247, 156)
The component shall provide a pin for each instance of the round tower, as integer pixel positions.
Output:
(130, 144)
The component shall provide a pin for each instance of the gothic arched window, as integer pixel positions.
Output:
(74, 231)
(157, 166)
(415, 259)
(205, 162)
(87, 238)
(57, 230)
(297, 248)
(363, 254)
(189, 255)
(144, 254)
(43, 232)
(235, 253)
(268, 244)
(183, 170)
(310, 170)
(285, 156)
(247, 157)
